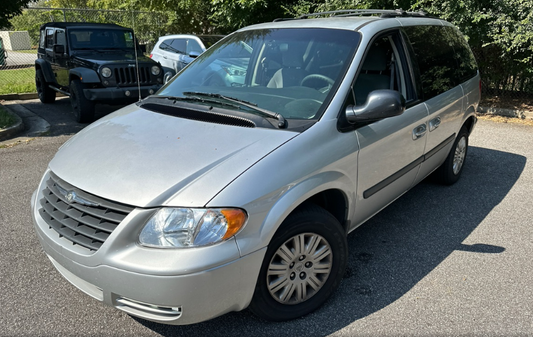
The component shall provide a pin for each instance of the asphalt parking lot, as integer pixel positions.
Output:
(440, 261)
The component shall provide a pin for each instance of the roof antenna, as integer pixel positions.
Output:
(136, 57)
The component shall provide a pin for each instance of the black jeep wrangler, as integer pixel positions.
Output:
(93, 63)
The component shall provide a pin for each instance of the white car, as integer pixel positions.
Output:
(174, 52)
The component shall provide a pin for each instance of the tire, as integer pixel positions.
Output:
(46, 94)
(83, 108)
(291, 286)
(450, 171)
(167, 77)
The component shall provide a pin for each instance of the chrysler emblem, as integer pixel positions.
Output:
(71, 196)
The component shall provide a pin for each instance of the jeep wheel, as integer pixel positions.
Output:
(450, 171)
(46, 95)
(167, 77)
(303, 265)
(83, 108)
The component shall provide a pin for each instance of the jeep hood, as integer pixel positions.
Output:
(112, 57)
(146, 159)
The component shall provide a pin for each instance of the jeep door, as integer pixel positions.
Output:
(391, 150)
(60, 65)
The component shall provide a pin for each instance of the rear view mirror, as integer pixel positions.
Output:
(380, 104)
(194, 54)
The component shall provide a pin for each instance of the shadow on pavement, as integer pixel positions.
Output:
(393, 251)
(61, 117)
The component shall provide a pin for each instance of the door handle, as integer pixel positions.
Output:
(434, 123)
(419, 131)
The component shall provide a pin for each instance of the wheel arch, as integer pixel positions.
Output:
(326, 190)
(470, 122)
(46, 69)
(84, 75)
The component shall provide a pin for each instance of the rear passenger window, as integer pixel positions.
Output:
(434, 54)
(467, 66)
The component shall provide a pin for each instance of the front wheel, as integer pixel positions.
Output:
(450, 171)
(83, 108)
(303, 265)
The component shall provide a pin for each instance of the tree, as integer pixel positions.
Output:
(10, 9)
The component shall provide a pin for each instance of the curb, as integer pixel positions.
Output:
(16, 97)
(24, 96)
(522, 114)
(32, 125)
(14, 129)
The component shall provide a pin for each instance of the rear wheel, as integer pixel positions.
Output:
(303, 265)
(83, 108)
(46, 95)
(450, 171)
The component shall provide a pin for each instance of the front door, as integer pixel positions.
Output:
(61, 59)
(391, 150)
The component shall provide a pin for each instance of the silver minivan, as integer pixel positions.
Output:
(210, 197)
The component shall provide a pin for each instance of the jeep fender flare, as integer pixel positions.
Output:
(85, 75)
(46, 69)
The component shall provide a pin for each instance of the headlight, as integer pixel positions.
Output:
(156, 70)
(191, 227)
(106, 72)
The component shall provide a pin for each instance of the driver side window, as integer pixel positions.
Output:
(382, 68)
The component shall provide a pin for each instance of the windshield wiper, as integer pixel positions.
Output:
(195, 99)
(282, 123)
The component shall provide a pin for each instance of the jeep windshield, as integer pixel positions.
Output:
(101, 39)
(292, 72)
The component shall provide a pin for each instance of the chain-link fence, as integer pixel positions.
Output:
(18, 45)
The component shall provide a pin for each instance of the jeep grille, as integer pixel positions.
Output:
(126, 76)
(84, 225)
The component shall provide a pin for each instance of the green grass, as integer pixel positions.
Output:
(29, 51)
(17, 81)
(6, 119)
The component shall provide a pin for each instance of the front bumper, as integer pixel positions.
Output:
(168, 286)
(121, 94)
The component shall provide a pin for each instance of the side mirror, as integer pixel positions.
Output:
(194, 54)
(142, 47)
(380, 104)
(59, 49)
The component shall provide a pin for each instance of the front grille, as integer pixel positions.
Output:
(87, 220)
(126, 76)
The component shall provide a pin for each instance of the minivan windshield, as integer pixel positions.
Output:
(292, 72)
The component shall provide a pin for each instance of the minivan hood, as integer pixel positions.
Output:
(146, 159)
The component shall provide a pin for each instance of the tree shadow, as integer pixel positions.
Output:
(392, 252)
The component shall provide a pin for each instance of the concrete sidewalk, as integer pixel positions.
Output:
(27, 127)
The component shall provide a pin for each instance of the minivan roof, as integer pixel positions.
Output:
(347, 19)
